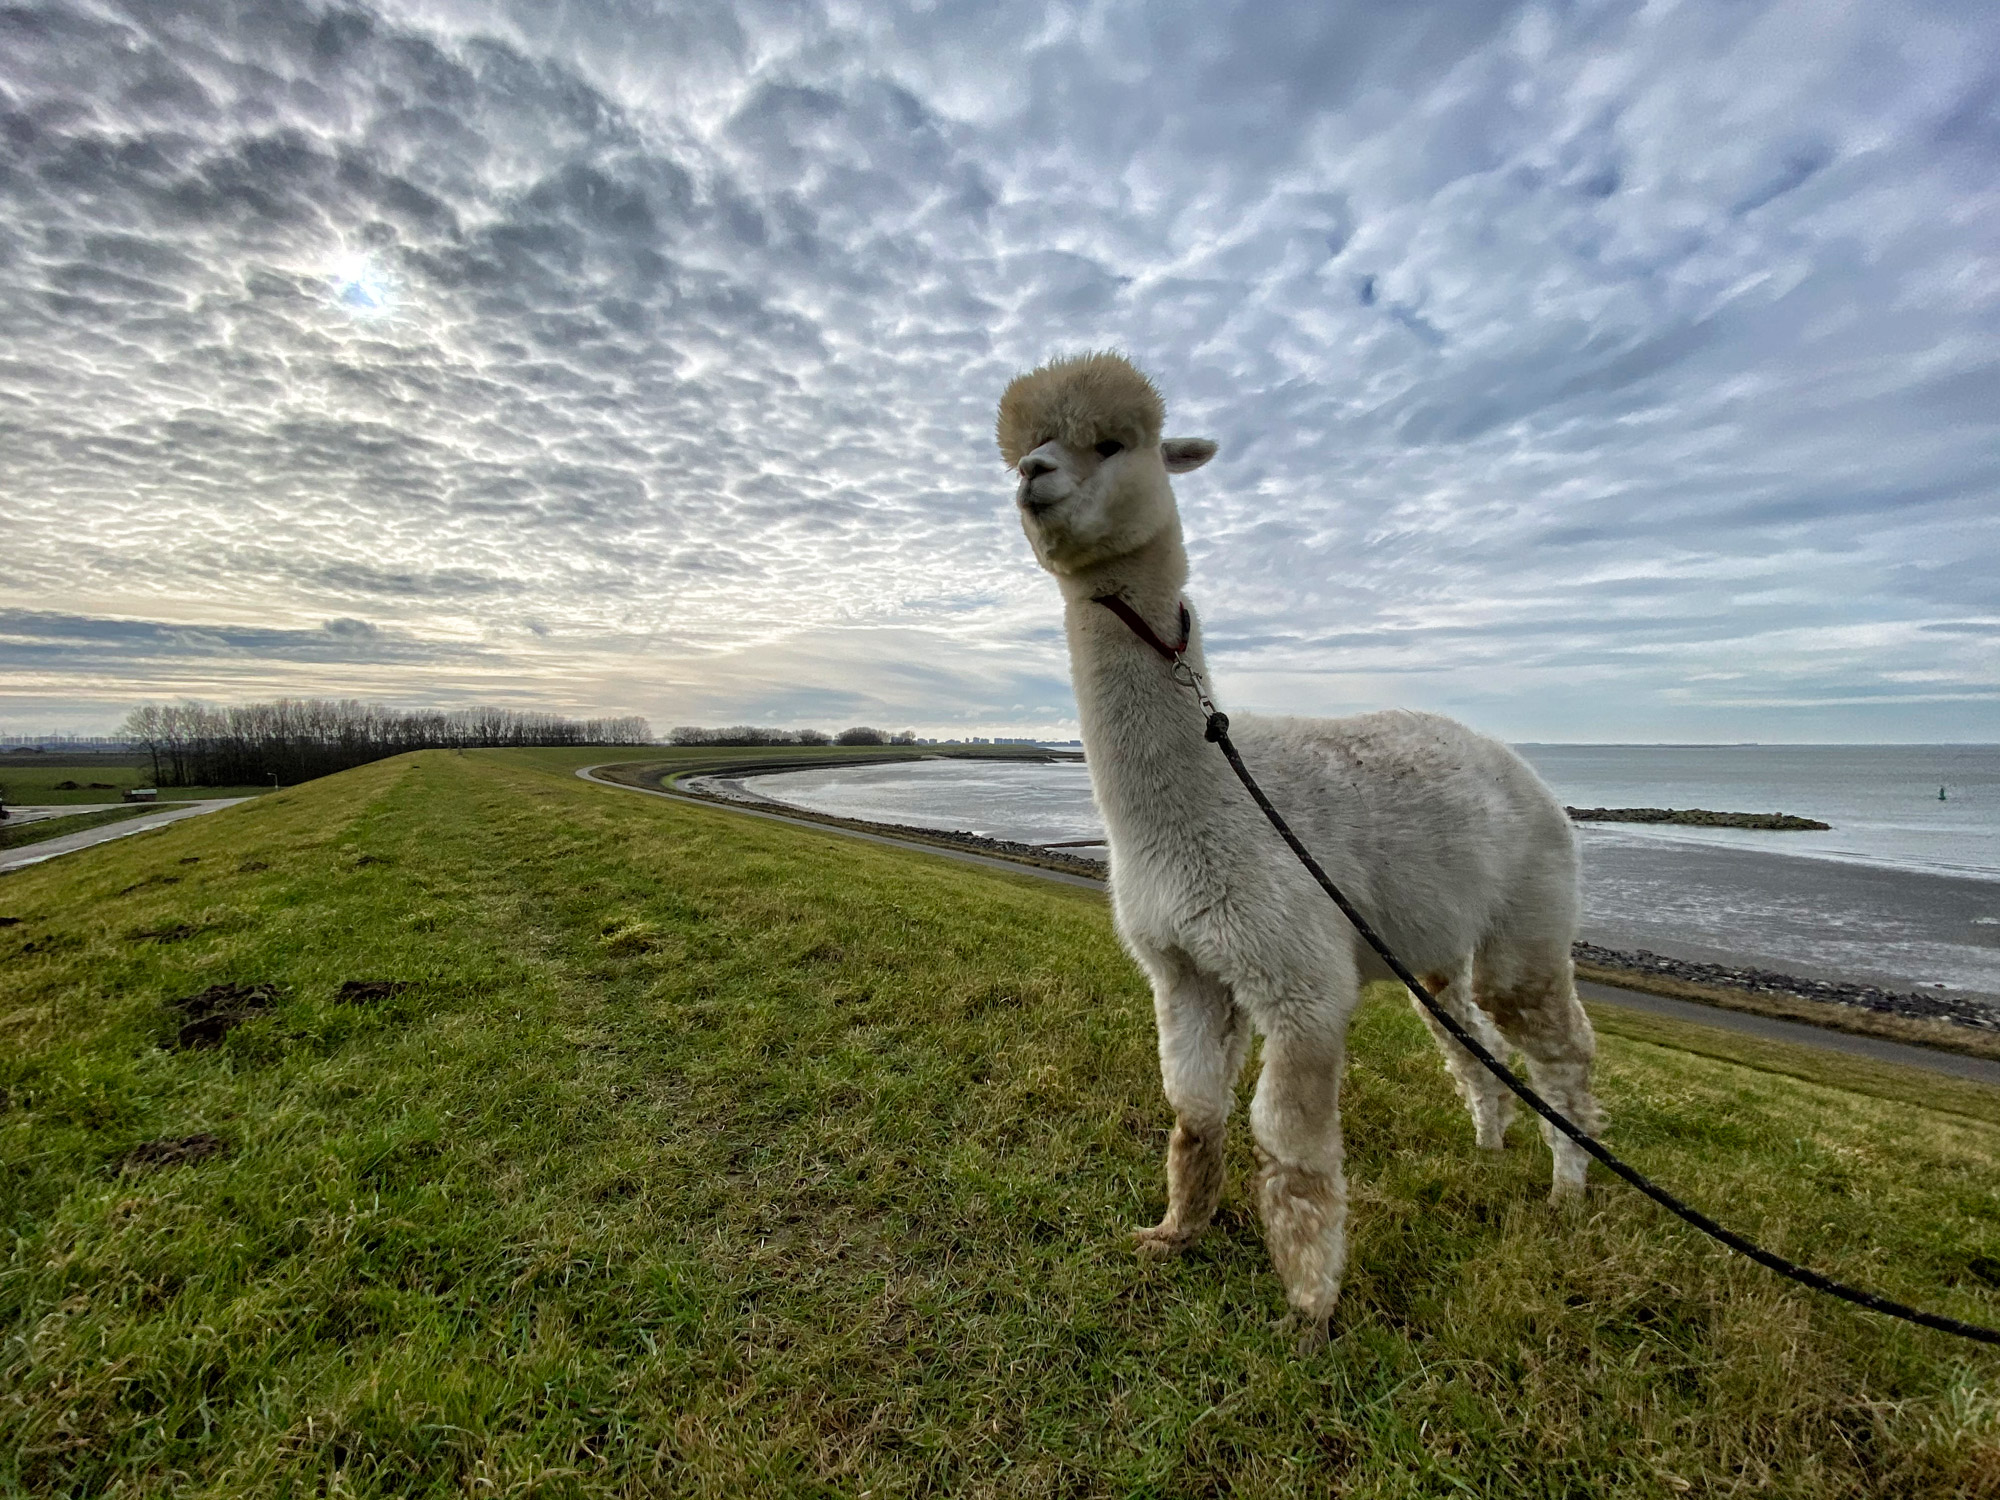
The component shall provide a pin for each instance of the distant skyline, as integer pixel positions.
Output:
(1593, 372)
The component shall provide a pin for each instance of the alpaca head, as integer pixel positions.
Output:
(1084, 436)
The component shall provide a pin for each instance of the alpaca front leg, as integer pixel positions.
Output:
(1202, 1037)
(1301, 1189)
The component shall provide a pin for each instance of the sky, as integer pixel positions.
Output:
(1591, 371)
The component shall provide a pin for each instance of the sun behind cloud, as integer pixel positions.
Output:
(361, 284)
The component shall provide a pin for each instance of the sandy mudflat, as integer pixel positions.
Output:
(1822, 918)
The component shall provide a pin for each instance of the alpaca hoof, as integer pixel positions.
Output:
(1163, 1242)
(1310, 1335)
(1565, 1194)
(1497, 1144)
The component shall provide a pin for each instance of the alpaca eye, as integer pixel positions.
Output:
(1108, 447)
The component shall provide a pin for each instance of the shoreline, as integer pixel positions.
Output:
(1944, 1020)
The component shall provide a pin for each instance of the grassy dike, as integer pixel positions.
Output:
(701, 1155)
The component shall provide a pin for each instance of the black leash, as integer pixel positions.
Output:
(1218, 734)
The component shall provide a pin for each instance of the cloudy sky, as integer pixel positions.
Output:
(1591, 371)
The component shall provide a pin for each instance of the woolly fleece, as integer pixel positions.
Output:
(1080, 401)
(1464, 860)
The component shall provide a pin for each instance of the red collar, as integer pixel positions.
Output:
(1141, 629)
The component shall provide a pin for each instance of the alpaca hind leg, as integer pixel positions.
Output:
(1301, 1188)
(1202, 1039)
(1486, 1097)
(1531, 995)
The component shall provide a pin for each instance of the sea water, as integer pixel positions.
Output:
(1903, 890)
(1028, 802)
(1882, 800)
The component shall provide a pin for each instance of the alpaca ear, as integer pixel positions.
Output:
(1185, 455)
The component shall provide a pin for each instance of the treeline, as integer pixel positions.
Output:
(295, 739)
(749, 734)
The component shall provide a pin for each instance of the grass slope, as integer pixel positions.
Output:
(704, 1156)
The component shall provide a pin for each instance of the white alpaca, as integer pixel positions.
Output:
(1446, 840)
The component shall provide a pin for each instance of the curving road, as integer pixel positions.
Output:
(34, 854)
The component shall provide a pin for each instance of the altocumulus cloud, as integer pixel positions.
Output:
(1595, 370)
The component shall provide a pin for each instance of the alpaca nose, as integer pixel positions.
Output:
(1034, 466)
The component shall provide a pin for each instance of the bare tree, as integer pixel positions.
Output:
(295, 739)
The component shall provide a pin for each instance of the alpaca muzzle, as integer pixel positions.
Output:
(1043, 489)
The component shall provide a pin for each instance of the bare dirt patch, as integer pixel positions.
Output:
(218, 1010)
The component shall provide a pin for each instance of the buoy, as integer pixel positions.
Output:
(1940, 794)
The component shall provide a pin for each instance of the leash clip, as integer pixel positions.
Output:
(1188, 677)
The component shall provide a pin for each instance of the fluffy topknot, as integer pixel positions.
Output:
(1082, 400)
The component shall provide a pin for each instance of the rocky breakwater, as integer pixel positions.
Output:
(1697, 817)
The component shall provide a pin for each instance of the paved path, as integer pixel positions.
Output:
(18, 815)
(34, 854)
(1874, 1048)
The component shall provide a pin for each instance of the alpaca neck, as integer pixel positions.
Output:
(1142, 732)
(1150, 579)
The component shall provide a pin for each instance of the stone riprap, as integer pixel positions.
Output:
(1697, 817)
(1959, 1010)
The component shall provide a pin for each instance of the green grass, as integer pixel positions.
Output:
(16, 835)
(32, 781)
(708, 1156)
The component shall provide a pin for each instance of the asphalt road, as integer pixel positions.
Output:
(1875, 1049)
(34, 854)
